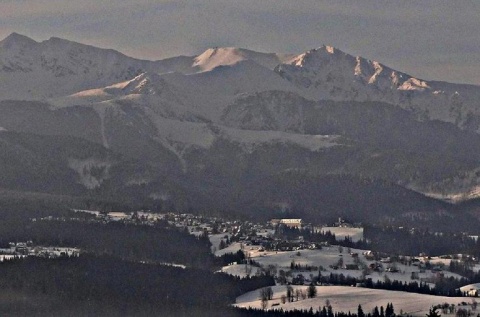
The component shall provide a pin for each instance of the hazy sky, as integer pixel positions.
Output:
(430, 39)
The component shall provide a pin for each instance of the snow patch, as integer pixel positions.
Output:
(250, 139)
(330, 49)
(414, 84)
(160, 196)
(92, 172)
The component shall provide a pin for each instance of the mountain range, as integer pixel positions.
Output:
(231, 131)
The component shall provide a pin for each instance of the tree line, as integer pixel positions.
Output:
(110, 284)
(396, 240)
(158, 243)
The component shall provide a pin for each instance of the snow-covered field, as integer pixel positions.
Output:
(330, 256)
(334, 259)
(343, 298)
(233, 248)
(215, 241)
(240, 270)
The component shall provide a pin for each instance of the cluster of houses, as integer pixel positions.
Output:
(24, 249)
(134, 217)
(196, 224)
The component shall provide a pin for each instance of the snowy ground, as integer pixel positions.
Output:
(346, 299)
(215, 241)
(266, 232)
(233, 248)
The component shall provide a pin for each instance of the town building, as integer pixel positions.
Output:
(291, 223)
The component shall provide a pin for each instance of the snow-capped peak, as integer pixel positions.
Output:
(214, 57)
(318, 57)
(227, 56)
(330, 49)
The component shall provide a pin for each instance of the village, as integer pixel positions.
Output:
(298, 255)
(271, 244)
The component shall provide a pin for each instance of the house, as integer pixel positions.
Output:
(117, 216)
(23, 250)
(377, 267)
(392, 269)
(351, 267)
(471, 289)
(291, 223)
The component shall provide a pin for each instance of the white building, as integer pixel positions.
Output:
(292, 223)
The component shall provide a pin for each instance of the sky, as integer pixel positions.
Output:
(429, 39)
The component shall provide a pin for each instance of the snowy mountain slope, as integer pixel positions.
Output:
(210, 92)
(203, 135)
(178, 129)
(148, 90)
(421, 158)
(56, 67)
(328, 73)
(201, 95)
(379, 127)
(205, 166)
(269, 110)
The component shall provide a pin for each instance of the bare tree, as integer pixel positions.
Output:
(269, 291)
(263, 294)
(222, 245)
(282, 277)
(303, 294)
(289, 293)
(272, 269)
(297, 294)
(264, 304)
(461, 312)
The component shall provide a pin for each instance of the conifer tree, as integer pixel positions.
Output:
(360, 312)
(312, 291)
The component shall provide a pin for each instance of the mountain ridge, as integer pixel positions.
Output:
(328, 73)
(202, 131)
